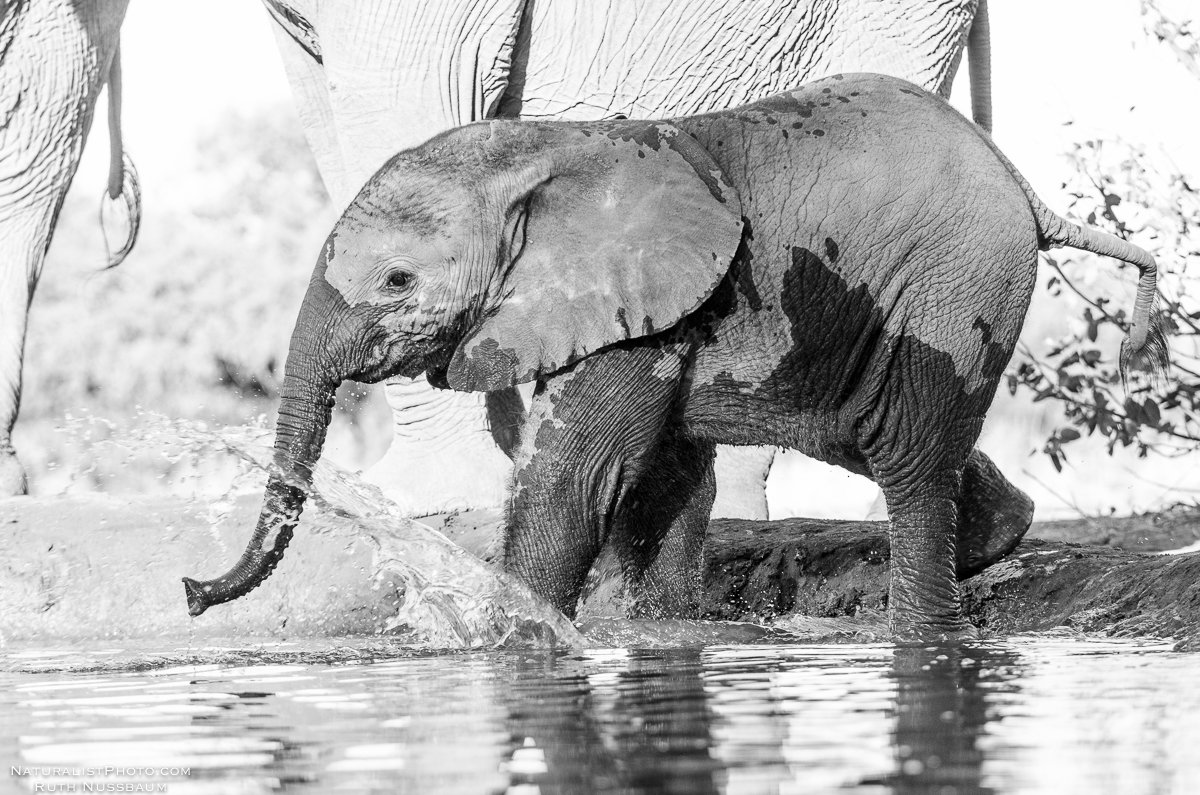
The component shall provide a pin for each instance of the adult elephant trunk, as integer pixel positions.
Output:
(305, 409)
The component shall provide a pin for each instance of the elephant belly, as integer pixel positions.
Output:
(799, 371)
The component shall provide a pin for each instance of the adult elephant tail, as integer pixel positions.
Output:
(979, 66)
(123, 197)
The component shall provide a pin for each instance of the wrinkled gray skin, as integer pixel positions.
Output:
(371, 79)
(55, 57)
(842, 269)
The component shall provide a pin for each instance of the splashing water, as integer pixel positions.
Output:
(428, 591)
(448, 597)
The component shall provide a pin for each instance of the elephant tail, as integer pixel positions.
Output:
(1145, 349)
(979, 66)
(122, 200)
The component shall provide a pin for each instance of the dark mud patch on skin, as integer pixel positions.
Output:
(622, 322)
(831, 250)
(839, 345)
(642, 133)
(486, 367)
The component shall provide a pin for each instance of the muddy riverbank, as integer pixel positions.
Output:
(92, 567)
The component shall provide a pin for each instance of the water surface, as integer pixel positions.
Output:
(1026, 715)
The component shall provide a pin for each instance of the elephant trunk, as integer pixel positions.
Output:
(304, 415)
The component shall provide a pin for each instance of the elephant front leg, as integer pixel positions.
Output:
(584, 448)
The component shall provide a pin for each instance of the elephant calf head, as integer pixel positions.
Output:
(488, 256)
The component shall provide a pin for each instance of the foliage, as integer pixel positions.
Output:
(1120, 189)
(193, 325)
(200, 313)
(1178, 36)
(1123, 190)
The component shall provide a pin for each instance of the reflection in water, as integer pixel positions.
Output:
(940, 713)
(617, 721)
(1037, 715)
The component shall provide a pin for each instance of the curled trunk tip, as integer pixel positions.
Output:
(197, 599)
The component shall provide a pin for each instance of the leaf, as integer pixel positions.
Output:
(1068, 434)
(1150, 411)
(1093, 325)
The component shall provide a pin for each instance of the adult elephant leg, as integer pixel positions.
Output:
(450, 450)
(16, 289)
(53, 59)
(993, 516)
(878, 511)
(742, 482)
(660, 537)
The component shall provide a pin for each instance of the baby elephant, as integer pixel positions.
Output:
(842, 269)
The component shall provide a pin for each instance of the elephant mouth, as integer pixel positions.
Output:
(436, 356)
(384, 370)
(437, 368)
(391, 358)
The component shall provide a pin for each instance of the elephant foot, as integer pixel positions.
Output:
(922, 634)
(13, 482)
(994, 516)
(604, 591)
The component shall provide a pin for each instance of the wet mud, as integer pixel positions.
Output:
(763, 570)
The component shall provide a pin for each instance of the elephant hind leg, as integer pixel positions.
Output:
(659, 537)
(923, 598)
(993, 516)
(916, 441)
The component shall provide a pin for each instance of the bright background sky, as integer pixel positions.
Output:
(1083, 62)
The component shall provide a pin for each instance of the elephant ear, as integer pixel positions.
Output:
(616, 231)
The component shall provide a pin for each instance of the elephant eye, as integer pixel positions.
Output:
(398, 280)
